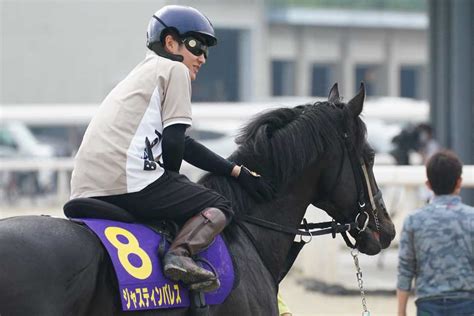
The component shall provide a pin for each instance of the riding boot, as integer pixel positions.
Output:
(196, 234)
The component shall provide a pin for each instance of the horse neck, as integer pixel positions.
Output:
(287, 210)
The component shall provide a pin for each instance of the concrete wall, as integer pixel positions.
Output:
(70, 51)
(66, 51)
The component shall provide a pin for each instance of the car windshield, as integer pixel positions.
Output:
(16, 132)
(6, 138)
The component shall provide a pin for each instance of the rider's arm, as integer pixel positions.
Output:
(205, 159)
(175, 115)
(173, 146)
(176, 147)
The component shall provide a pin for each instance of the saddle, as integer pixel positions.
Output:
(97, 209)
(136, 250)
(93, 208)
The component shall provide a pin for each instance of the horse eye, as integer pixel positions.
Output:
(371, 157)
(369, 154)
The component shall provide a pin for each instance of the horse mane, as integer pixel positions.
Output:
(280, 143)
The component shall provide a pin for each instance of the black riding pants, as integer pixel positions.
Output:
(173, 196)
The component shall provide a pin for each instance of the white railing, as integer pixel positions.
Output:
(400, 185)
(63, 167)
(414, 175)
(406, 176)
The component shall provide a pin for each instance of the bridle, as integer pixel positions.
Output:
(360, 223)
(363, 189)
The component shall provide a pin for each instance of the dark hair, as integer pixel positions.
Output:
(443, 170)
(170, 31)
(425, 127)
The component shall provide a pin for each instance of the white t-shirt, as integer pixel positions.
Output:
(113, 157)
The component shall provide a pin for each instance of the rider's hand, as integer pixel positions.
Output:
(254, 184)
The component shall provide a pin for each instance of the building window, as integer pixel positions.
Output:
(411, 82)
(283, 75)
(213, 84)
(372, 77)
(322, 78)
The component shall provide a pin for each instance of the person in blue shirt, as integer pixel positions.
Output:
(437, 246)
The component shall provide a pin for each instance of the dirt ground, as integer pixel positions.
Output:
(308, 303)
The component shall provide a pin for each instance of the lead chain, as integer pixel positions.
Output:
(354, 253)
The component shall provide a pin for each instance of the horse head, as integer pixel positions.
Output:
(314, 154)
(348, 190)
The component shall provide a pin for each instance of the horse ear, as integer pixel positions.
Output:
(334, 94)
(356, 104)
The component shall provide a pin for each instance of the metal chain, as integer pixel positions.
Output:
(354, 253)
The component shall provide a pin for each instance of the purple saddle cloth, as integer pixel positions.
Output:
(133, 249)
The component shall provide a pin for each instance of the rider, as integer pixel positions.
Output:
(133, 148)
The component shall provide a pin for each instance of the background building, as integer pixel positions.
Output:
(75, 51)
(452, 79)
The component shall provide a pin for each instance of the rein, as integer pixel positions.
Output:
(311, 229)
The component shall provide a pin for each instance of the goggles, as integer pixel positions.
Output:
(196, 47)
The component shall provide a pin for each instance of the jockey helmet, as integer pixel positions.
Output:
(184, 20)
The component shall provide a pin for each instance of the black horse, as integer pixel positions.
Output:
(315, 153)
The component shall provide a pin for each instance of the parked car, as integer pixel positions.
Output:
(17, 142)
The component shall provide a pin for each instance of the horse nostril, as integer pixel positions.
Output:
(377, 236)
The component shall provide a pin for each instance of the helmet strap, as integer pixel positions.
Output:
(160, 51)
